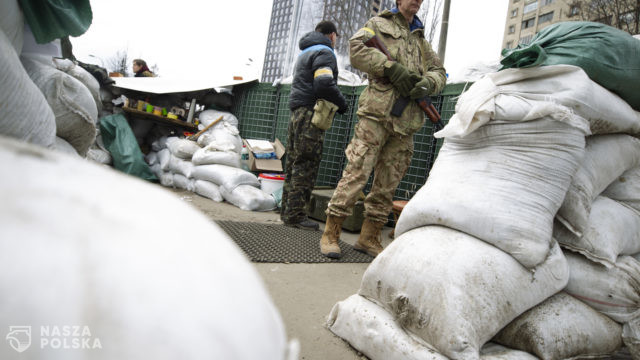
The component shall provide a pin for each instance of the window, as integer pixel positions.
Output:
(512, 29)
(530, 7)
(627, 18)
(528, 23)
(575, 10)
(525, 40)
(549, 2)
(545, 18)
(514, 12)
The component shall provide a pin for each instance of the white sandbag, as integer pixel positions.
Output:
(81, 75)
(371, 330)
(223, 137)
(503, 184)
(110, 261)
(606, 158)
(159, 144)
(613, 229)
(180, 166)
(166, 179)
(64, 147)
(554, 91)
(455, 291)
(25, 113)
(210, 155)
(226, 176)
(208, 190)
(182, 148)
(562, 327)
(631, 337)
(12, 24)
(164, 158)
(151, 158)
(99, 155)
(74, 108)
(248, 197)
(182, 182)
(156, 169)
(208, 116)
(613, 291)
(626, 189)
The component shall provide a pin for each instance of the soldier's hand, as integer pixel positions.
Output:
(400, 77)
(421, 89)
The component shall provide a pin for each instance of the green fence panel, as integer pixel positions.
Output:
(263, 113)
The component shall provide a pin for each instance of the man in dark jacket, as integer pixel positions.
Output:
(315, 77)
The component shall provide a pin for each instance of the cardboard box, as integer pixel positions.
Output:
(266, 164)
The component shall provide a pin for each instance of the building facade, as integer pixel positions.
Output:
(290, 19)
(525, 18)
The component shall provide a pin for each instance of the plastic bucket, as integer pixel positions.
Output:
(271, 182)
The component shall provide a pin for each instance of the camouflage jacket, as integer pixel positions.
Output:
(408, 48)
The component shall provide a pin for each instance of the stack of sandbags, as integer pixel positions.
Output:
(171, 161)
(107, 263)
(485, 216)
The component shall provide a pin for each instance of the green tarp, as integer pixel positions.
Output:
(53, 19)
(609, 56)
(119, 139)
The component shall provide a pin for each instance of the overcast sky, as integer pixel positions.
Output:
(196, 38)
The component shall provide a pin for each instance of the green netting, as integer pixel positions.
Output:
(263, 113)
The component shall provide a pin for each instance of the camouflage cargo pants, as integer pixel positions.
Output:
(374, 147)
(304, 152)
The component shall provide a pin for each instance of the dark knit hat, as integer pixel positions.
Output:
(326, 27)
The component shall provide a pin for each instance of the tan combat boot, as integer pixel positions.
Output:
(369, 239)
(329, 242)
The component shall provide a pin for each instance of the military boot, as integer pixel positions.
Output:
(329, 241)
(369, 239)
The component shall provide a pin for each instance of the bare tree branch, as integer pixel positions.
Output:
(622, 14)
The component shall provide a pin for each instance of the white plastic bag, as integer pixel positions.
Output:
(248, 197)
(111, 260)
(25, 113)
(182, 148)
(606, 158)
(226, 176)
(503, 184)
(455, 291)
(164, 158)
(210, 155)
(208, 190)
(72, 103)
(563, 327)
(613, 229)
(556, 91)
(626, 189)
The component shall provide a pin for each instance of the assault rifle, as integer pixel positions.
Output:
(402, 102)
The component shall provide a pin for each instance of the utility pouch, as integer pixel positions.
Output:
(323, 113)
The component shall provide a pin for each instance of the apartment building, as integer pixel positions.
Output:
(526, 17)
(290, 19)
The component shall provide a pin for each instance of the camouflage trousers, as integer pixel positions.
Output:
(304, 152)
(374, 147)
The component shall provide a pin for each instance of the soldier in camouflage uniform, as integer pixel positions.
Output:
(315, 77)
(382, 142)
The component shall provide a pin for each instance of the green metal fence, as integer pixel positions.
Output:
(263, 113)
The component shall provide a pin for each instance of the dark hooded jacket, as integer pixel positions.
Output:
(316, 74)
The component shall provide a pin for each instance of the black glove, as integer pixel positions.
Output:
(421, 89)
(400, 77)
(343, 110)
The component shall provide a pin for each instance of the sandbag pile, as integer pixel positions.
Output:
(209, 167)
(45, 101)
(110, 264)
(528, 215)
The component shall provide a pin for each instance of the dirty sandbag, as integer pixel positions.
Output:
(119, 140)
(615, 69)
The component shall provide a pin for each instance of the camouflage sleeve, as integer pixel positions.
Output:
(434, 69)
(364, 58)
